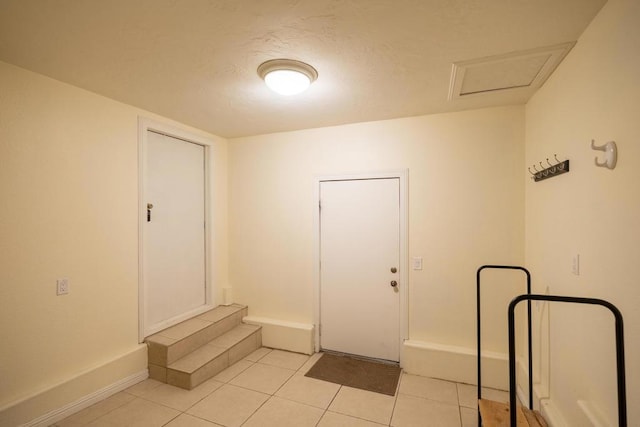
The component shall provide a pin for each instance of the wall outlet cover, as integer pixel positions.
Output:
(62, 286)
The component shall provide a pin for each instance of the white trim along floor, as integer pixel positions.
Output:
(268, 388)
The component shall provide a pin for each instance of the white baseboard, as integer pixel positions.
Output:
(59, 401)
(454, 363)
(290, 336)
(592, 414)
(551, 414)
(86, 401)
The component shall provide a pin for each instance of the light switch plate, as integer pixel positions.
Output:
(575, 264)
(416, 263)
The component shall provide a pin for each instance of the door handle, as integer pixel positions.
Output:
(393, 283)
(149, 207)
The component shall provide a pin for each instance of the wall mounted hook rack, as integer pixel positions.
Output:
(552, 170)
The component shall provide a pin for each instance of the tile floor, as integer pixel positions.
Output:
(268, 388)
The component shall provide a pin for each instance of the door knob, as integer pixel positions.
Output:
(394, 283)
(149, 207)
(394, 270)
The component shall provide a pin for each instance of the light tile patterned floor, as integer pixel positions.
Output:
(268, 388)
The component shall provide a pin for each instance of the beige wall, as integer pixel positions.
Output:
(69, 191)
(466, 208)
(592, 211)
(68, 182)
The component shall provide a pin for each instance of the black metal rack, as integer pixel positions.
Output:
(503, 267)
(619, 330)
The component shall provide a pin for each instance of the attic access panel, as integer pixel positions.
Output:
(523, 71)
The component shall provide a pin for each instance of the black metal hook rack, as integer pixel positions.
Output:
(549, 171)
(479, 334)
(620, 365)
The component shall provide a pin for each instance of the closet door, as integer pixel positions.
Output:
(174, 246)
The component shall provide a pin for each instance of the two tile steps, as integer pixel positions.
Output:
(191, 352)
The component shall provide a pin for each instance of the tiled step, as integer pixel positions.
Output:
(193, 351)
(214, 357)
(173, 343)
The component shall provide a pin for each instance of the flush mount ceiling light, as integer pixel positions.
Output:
(287, 76)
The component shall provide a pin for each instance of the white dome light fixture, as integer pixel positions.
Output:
(287, 76)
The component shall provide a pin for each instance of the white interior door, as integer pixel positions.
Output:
(174, 243)
(359, 260)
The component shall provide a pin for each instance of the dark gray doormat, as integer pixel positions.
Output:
(353, 372)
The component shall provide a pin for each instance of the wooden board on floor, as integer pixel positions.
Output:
(496, 414)
(534, 418)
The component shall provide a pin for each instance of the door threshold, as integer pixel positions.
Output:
(360, 357)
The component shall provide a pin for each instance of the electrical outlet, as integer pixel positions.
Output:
(575, 265)
(62, 286)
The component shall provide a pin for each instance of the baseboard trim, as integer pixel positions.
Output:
(454, 363)
(551, 414)
(283, 335)
(84, 402)
(593, 414)
(74, 394)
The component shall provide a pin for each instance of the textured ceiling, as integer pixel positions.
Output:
(195, 60)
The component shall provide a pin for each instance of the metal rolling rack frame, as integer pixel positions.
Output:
(503, 267)
(619, 329)
(619, 332)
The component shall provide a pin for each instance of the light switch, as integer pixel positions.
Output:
(416, 263)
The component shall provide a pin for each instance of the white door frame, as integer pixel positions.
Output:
(145, 125)
(403, 278)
